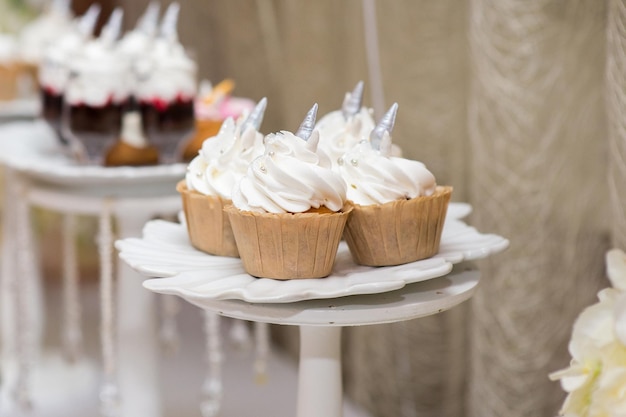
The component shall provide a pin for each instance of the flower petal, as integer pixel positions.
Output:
(616, 268)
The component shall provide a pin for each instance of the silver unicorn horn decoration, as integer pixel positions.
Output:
(170, 22)
(308, 124)
(352, 101)
(87, 22)
(256, 116)
(385, 125)
(148, 22)
(112, 29)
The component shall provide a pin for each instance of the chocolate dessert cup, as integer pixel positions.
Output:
(95, 129)
(52, 111)
(167, 126)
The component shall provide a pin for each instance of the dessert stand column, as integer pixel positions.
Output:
(319, 379)
(137, 320)
(135, 359)
(320, 322)
(21, 298)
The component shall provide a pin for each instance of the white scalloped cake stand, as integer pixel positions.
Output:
(352, 296)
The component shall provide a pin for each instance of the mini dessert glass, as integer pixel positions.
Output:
(168, 125)
(92, 116)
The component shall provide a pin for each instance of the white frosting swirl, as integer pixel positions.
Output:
(374, 178)
(139, 40)
(134, 44)
(8, 49)
(292, 176)
(98, 76)
(338, 135)
(223, 160)
(35, 38)
(166, 74)
(54, 69)
(332, 123)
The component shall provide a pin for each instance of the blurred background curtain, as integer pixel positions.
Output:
(521, 106)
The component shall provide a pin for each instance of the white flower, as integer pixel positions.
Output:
(596, 378)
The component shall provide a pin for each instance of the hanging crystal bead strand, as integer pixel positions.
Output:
(239, 334)
(72, 334)
(262, 349)
(168, 333)
(109, 392)
(212, 386)
(24, 287)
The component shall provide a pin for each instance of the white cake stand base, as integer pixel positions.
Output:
(128, 332)
(320, 390)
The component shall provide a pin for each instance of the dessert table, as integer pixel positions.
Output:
(39, 173)
(352, 295)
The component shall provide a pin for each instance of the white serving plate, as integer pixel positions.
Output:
(164, 252)
(32, 148)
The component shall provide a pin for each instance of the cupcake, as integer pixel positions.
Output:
(340, 130)
(210, 179)
(399, 211)
(289, 210)
(212, 106)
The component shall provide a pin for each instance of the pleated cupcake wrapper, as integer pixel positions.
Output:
(208, 225)
(9, 76)
(288, 246)
(397, 232)
(13, 75)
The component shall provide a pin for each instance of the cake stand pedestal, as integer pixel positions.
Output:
(136, 355)
(38, 173)
(320, 321)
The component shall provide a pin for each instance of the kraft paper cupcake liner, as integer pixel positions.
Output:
(288, 246)
(208, 225)
(397, 232)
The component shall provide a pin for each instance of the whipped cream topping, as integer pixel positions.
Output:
(292, 176)
(54, 68)
(132, 132)
(8, 49)
(137, 41)
(41, 32)
(373, 177)
(167, 74)
(337, 135)
(332, 123)
(223, 159)
(98, 76)
(54, 71)
(134, 43)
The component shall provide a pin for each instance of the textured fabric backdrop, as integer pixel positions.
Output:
(521, 107)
